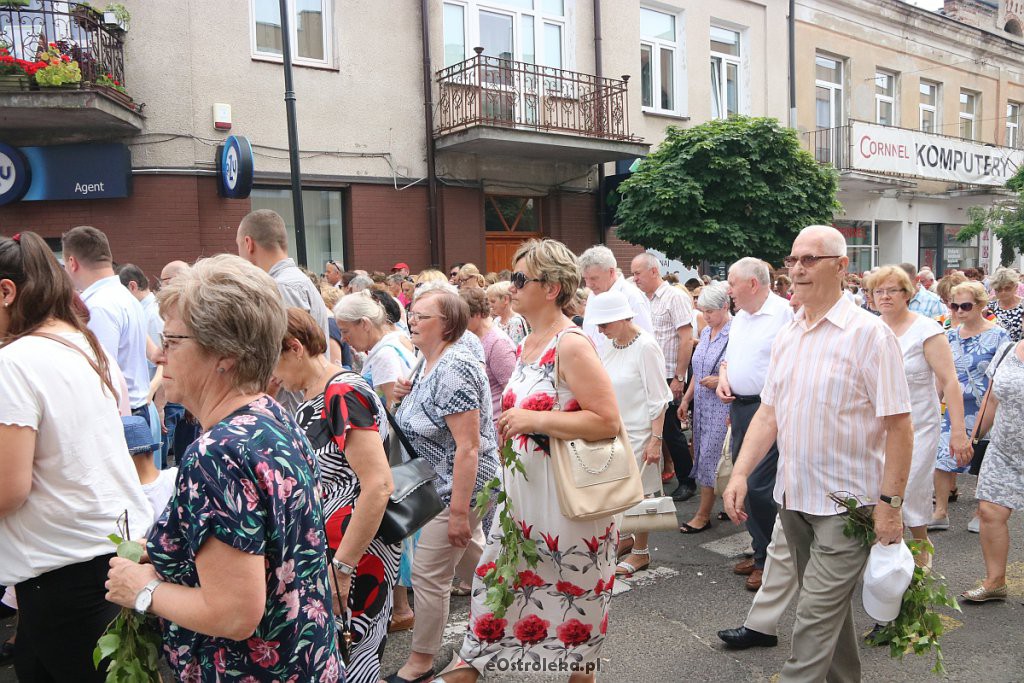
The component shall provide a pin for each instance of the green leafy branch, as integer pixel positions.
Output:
(516, 549)
(131, 641)
(917, 628)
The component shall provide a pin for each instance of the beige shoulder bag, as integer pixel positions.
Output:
(594, 479)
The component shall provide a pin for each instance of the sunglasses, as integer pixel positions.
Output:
(806, 260)
(966, 308)
(519, 279)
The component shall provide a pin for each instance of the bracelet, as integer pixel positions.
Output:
(658, 437)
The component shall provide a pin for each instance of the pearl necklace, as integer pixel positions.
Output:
(627, 344)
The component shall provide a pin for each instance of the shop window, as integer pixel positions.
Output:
(661, 52)
(939, 249)
(968, 114)
(928, 107)
(322, 215)
(512, 214)
(885, 98)
(310, 28)
(726, 72)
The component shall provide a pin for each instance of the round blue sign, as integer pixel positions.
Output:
(235, 169)
(15, 174)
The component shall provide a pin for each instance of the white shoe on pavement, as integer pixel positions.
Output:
(974, 526)
(940, 524)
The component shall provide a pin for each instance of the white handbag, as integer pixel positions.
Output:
(650, 514)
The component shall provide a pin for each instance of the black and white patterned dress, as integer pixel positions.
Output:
(347, 403)
(1010, 319)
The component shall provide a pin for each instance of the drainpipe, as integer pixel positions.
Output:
(792, 64)
(599, 72)
(436, 242)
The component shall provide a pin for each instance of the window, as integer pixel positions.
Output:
(660, 53)
(928, 107)
(530, 31)
(885, 98)
(512, 214)
(939, 249)
(321, 211)
(1013, 125)
(725, 72)
(309, 24)
(968, 114)
(828, 105)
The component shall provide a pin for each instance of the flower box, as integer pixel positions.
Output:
(14, 83)
(111, 20)
(115, 94)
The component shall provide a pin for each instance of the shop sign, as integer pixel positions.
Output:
(63, 172)
(15, 174)
(884, 149)
(235, 170)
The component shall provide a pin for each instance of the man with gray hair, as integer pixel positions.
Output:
(672, 316)
(601, 274)
(759, 316)
(923, 302)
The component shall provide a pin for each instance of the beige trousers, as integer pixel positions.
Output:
(434, 565)
(777, 589)
(828, 566)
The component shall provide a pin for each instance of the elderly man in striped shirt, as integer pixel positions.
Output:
(837, 403)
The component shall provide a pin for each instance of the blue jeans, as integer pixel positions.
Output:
(173, 412)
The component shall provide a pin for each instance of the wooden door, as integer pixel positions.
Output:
(509, 221)
(501, 247)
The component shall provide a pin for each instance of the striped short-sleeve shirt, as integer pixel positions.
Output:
(832, 384)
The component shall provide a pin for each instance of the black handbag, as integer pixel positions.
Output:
(415, 500)
(980, 445)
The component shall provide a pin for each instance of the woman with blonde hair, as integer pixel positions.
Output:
(499, 295)
(469, 276)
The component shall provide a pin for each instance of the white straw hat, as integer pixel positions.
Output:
(607, 307)
(886, 578)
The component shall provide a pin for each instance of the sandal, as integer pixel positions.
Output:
(403, 624)
(687, 529)
(954, 495)
(722, 517)
(982, 594)
(461, 591)
(626, 570)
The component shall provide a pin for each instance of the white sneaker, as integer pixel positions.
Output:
(974, 526)
(941, 524)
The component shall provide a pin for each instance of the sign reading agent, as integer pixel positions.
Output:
(882, 149)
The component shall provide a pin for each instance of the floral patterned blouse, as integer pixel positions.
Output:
(250, 482)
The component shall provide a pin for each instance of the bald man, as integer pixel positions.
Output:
(172, 269)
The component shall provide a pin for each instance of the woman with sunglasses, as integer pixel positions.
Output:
(974, 341)
(1008, 307)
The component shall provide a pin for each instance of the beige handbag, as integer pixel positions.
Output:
(650, 514)
(594, 479)
(724, 469)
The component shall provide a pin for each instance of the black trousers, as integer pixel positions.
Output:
(678, 448)
(61, 615)
(760, 506)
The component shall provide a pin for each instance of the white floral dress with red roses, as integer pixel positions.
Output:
(560, 612)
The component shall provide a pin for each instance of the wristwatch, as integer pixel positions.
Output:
(346, 569)
(681, 378)
(893, 501)
(145, 597)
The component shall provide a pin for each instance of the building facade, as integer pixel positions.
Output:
(532, 105)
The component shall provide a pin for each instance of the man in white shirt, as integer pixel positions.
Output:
(116, 317)
(601, 274)
(672, 318)
(759, 317)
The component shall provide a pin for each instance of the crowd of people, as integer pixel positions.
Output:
(240, 415)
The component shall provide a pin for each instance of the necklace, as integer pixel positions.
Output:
(627, 344)
(542, 337)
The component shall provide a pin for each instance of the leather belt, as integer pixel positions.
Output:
(746, 400)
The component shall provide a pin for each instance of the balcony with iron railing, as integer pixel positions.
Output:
(90, 107)
(492, 106)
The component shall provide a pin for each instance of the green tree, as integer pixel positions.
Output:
(1006, 221)
(726, 189)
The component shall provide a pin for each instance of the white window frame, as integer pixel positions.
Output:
(935, 109)
(328, 37)
(887, 99)
(1013, 125)
(742, 101)
(566, 22)
(972, 116)
(837, 90)
(678, 65)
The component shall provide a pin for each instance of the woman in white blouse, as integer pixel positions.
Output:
(636, 366)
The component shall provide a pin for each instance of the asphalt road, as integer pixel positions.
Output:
(663, 627)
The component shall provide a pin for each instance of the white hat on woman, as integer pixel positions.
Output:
(607, 307)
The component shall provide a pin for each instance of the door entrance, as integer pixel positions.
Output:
(509, 221)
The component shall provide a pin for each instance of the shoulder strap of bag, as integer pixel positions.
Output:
(975, 436)
(394, 423)
(554, 378)
(107, 381)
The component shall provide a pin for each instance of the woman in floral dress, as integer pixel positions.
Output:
(238, 568)
(345, 423)
(559, 614)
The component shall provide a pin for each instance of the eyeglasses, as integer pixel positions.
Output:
(807, 261)
(452, 274)
(414, 316)
(519, 279)
(891, 292)
(165, 340)
(966, 308)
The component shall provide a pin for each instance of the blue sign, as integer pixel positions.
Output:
(101, 171)
(235, 169)
(15, 174)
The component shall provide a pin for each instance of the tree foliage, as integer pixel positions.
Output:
(1006, 221)
(726, 189)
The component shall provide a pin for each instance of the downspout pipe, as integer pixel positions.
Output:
(436, 242)
(792, 64)
(599, 73)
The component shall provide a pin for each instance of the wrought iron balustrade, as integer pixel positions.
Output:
(830, 146)
(78, 30)
(490, 91)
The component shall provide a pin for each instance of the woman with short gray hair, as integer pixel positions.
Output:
(709, 413)
(1008, 307)
(241, 547)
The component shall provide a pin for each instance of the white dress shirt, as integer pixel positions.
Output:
(154, 323)
(750, 344)
(638, 302)
(119, 323)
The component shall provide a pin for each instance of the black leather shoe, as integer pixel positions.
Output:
(683, 493)
(741, 638)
